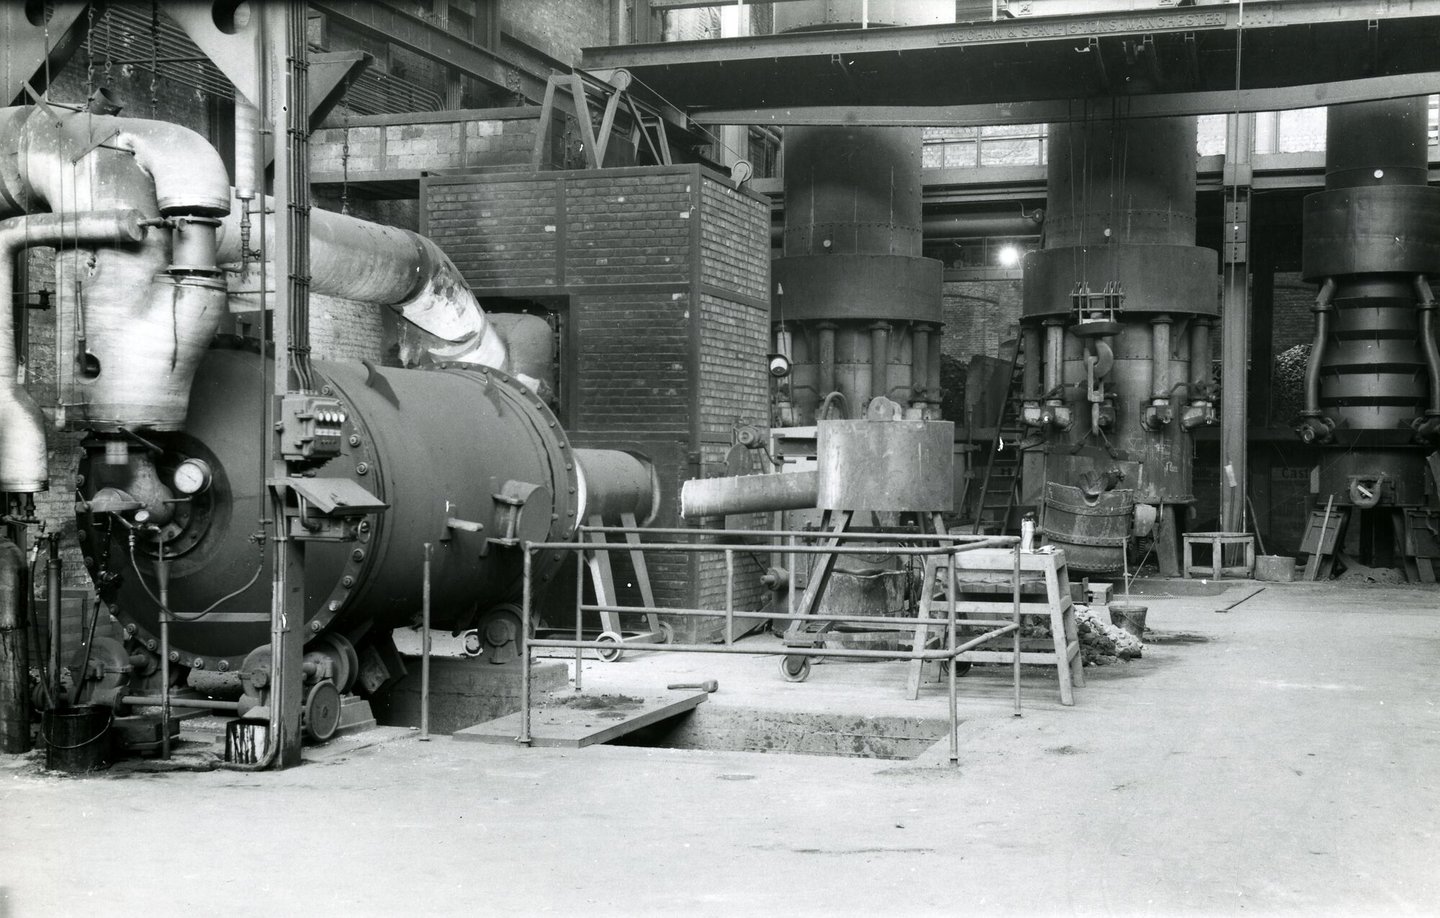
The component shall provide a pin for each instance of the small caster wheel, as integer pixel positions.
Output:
(795, 669)
(609, 655)
(961, 669)
(667, 633)
(322, 711)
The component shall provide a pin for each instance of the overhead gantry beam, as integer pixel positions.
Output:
(1172, 61)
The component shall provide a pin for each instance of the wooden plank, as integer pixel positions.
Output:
(564, 723)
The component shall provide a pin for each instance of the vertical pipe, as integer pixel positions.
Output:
(826, 383)
(425, 648)
(1160, 357)
(1015, 635)
(920, 362)
(247, 152)
(1324, 308)
(729, 595)
(1054, 357)
(1425, 303)
(879, 360)
(1200, 358)
(954, 661)
(52, 608)
(14, 652)
(934, 384)
(162, 578)
(525, 585)
(1030, 338)
(579, 601)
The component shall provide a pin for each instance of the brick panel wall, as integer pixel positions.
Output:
(627, 229)
(500, 233)
(978, 316)
(633, 371)
(730, 258)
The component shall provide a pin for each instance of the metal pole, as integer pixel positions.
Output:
(425, 650)
(579, 613)
(1016, 633)
(524, 737)
(954, 664)
(52, 609)
(729, 596)
(162, 575)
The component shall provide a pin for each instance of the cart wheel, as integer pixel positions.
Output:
(609, 637)
(795, 668)
(322, 711)
(962, 668)
(667, 633)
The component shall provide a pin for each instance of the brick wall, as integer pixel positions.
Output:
(979, 314)
(665, 273)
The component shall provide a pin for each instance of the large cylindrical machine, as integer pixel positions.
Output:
(1116, 322)
(856, 309)
(1372, 242)
(453, 453)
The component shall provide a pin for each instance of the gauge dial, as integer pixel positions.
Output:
(192, 476)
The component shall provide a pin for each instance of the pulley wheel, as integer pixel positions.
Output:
(322, 711)
(795, 668)
(610, 637)
(347, 661)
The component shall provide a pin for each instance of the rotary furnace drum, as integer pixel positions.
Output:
(1372, 399)
(464, 458)
(1116, 323)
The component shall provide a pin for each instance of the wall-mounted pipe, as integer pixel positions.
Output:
(1160, 357)
(392, 267)
(1200, 359)
(1425, 303)
(133, 321)
(1323, 310)
(24, 465)
(827, 358)
(749, 494)
(880, 359)
(920, 363)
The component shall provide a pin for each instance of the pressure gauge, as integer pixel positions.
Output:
(192, 476)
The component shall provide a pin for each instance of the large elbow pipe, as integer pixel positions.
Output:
(1323, 309)
(392, 267)
(24, 466)
(613, 483)
(134, 318)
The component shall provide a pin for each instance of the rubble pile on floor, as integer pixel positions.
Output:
(1102, 643)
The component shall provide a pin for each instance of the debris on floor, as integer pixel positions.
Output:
(1355, 572)
(1102, 643)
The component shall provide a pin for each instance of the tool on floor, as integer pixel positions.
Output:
(709, 685)
(1242, 599)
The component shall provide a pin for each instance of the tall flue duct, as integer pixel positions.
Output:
(1372, 242)
(1116, 321)
(856, 308)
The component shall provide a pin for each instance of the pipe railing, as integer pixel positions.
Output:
(939, 546)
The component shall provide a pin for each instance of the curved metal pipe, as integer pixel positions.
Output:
(1323, 310)
(1425, 303)
(24, 464)
(134, 319)
(393, 267)
(612, 482)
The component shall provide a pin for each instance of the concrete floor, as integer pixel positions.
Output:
(1281, 758)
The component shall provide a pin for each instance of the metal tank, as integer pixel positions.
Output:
(1372, 242)
(466, 459)
(1117, 311)
(856, 308)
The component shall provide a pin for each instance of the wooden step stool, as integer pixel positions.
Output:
(992, 571)
(1219, 542)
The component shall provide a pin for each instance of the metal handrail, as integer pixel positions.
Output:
(951, 545)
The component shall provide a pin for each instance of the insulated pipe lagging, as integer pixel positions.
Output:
(1160, 357)
(24, 465)
(388, 266)
(613, 482)
(249, 178)
(1323, 310)
(1030, 351)
(1054, 357)
(1425, 303)
(1199, 358)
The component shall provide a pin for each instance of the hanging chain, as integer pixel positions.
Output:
(89, 49)
(345, 155)
(109, 53)
(154, 56)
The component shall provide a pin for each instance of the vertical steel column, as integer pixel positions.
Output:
(287, 610)
(1235, 321)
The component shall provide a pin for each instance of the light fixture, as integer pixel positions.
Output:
(1008, 256)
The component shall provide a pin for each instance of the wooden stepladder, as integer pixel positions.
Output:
(990, 572)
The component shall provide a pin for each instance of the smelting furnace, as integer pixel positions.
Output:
(1117, 312)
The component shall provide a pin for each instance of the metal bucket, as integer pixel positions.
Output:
(77, 739)
(1093, 532)
(1275, 568)
(1130, 617)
